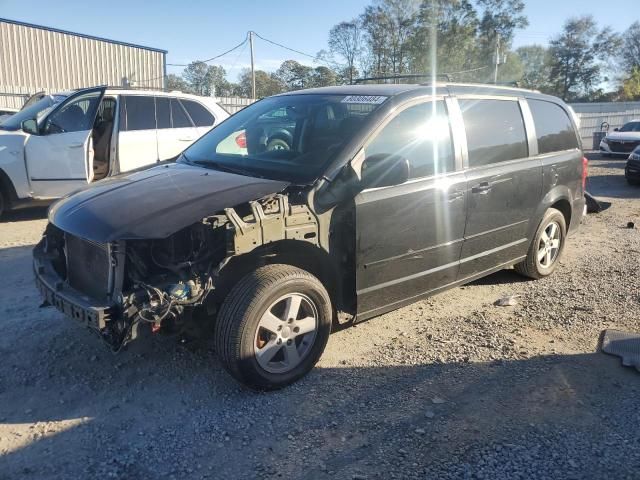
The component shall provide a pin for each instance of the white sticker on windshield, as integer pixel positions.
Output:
(365, 99)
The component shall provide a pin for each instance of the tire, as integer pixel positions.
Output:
(533, 266)
(633, 182)
(277, 144)
(253, 346)
(3, 203)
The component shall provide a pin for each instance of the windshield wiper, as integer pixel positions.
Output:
(220, 166)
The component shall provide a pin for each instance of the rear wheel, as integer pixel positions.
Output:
(546, 248)
(273, 326)
(632, 181)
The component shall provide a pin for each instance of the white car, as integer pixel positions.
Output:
(66, 140)
(623, 140)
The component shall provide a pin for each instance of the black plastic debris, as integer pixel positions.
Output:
(593, 205)
(631, 225)
(622, 344)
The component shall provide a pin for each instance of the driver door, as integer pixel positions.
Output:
(60, 158)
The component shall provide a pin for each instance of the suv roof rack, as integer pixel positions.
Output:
(412, 76)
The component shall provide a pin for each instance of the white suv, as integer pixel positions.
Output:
(67, 140)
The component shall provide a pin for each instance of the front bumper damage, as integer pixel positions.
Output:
(57, 293)
(163, 285)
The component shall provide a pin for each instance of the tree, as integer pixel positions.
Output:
(266, 84)
(176, 82)
(536, 65)
(322, 77)
(447, 29)
(630, 89)
(630, 51)
(294, 75)
(345, 40)
(207, 80)
(577, 57)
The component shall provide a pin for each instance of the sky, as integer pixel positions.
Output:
(202, 29)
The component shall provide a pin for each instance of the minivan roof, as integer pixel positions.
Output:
(426, 88)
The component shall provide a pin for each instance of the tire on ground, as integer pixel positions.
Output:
(530, 266)
(240, 314)
(3, 202)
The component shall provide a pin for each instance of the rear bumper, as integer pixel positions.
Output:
(58, 293)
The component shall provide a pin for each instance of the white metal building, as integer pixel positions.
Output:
(34, 58)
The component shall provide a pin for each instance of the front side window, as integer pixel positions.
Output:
(495, 131)
(140, 112)
(37, 110)
(554, 129)
(201, 116)
(288, 137)
(422, 135)
(77, 115)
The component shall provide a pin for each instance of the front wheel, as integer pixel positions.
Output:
(546, 248)
(273, 326)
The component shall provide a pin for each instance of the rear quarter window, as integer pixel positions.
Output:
(200, 115)
(495, 131)
(554, 129)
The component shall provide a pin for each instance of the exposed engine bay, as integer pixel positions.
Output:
(166, 285)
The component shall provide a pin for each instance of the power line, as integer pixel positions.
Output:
(212, 58)
(314, 57)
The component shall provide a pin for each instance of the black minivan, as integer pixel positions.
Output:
(380, 196)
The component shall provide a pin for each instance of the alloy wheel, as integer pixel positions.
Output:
(285, 333)
(549, 245)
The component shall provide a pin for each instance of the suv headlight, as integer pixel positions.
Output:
(635, 155)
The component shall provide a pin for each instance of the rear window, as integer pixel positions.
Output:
(200, 115)
(163, 112)
(140, 113)
(554, 129)
(495, 131)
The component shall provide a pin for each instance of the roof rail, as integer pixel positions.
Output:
(412, 76)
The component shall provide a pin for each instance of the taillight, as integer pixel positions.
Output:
(585, 166)
(241, 140)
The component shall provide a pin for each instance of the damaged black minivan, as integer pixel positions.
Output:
(318, 207)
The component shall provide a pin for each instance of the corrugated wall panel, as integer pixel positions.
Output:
(38, 58)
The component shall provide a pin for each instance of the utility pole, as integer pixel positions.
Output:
(495, 74)
(253, 71)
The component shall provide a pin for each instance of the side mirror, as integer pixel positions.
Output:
(30, 126)
(384, 170)
(616, 129)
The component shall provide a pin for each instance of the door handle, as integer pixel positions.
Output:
(76, 145)
(481, 188)
(186, 139)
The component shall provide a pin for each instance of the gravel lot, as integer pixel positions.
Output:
(450, 387)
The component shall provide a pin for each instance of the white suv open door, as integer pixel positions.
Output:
(60, 158)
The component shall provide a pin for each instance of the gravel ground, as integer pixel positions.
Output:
(451, 387)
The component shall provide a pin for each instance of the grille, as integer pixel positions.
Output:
(626, 147)
(88, 267)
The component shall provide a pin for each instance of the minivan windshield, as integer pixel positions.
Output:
(38, 110)
(289, 137)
